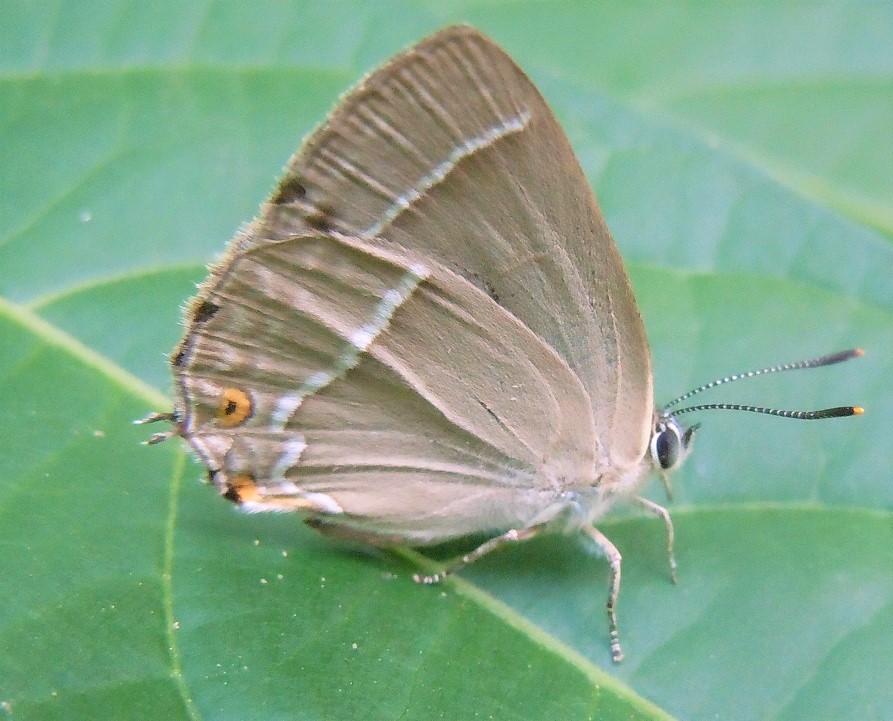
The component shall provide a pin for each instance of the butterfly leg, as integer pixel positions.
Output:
(671, 536)
(513, 536)
(614, 558)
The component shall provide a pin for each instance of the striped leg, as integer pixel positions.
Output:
(613, 556)
(512, 536)
(671, 536)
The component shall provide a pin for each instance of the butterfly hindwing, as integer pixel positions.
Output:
(360, 400)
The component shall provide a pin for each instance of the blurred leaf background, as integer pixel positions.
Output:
(741, 153)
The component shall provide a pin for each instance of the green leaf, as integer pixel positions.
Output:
(741, 156)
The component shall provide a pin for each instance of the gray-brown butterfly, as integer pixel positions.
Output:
(428, 332)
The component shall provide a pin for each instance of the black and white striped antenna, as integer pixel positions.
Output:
(825, 360)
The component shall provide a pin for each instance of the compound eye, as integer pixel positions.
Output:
(665, 447)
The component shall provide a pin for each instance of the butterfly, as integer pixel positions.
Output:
(428, 331)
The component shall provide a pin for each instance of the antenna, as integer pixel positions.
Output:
(825, 360)
(838, 412)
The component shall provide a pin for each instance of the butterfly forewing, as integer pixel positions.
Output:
(450, 151)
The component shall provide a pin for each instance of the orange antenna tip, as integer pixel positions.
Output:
(858, 352)
(858, 410)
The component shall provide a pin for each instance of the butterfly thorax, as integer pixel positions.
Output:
(668, 447)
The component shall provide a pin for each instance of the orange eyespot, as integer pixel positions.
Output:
(235, 407)
(241, 488)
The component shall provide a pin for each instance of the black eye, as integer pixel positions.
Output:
(666, 448)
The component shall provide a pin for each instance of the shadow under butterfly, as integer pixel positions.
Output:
(428, 331)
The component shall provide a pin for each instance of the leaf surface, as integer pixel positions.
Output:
(741, 156)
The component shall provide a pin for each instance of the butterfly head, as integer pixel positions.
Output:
(670, 442)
